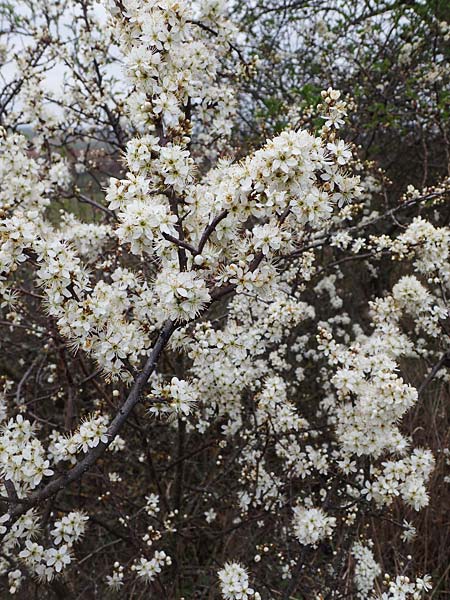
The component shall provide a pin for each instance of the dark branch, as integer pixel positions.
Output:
(119, 420)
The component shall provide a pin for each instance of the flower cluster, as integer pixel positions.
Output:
(366, 568)
(402, 588)
(178, 397)
(23, 460)
(234, 584)
(148, 570)
(90, 433)
(45, 563)
(311, 525)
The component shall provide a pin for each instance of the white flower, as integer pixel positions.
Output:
(58, 558)
(210, 515)
(341, 151)
(3, 519)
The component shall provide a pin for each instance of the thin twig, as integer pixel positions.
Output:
(443, 361)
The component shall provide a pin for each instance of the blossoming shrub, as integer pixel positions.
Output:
(195, 401)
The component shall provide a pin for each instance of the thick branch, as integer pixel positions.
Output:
(180, 243)
(95, 453)
(209, 230)
(11, 491)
